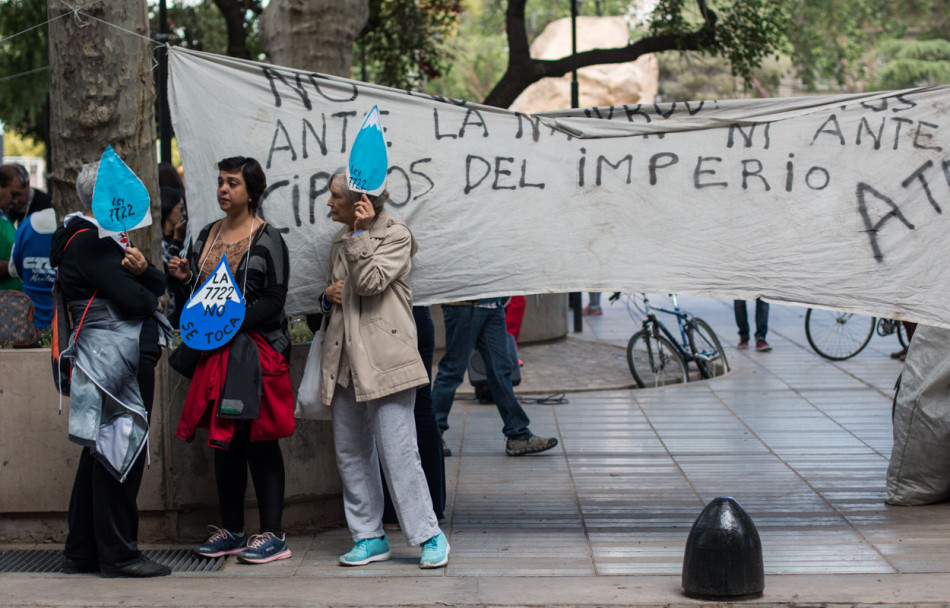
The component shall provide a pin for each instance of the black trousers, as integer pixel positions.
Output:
(428, 437)
(266, 463)
(103, 515)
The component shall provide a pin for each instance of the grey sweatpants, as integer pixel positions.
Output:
(370, 433)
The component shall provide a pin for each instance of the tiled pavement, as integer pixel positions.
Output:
(802, 443)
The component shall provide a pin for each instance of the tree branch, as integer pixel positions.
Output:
(233, 13)
(521, 74)
(708, 16)
(518, 48)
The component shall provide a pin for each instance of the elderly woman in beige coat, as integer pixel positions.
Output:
(370, 371)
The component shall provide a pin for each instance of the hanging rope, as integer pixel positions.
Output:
(76, 17)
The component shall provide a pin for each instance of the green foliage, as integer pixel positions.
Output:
(24, 60)
(912, 63)
(692, 76)
(747, 32)
(404, 43)
(299, 332)
(829, 39)
(477, 58)
(830, 43)
(670, 17)
(15, 144)
(201, 26)
(193, 26)
(937, 49)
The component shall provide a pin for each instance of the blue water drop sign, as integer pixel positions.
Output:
(214, 313)
(120, 200)
(366, 170)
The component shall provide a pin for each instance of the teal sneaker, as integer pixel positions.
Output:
(435, 552)
(367, 550)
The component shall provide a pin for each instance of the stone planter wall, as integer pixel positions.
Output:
(177, 499)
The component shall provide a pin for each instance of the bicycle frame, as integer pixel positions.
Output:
(682, 320)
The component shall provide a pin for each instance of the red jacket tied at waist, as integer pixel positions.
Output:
(276, 419)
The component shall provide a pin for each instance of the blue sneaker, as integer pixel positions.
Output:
(435, 552)
(263, 548)
(221, 543)
(367, 550)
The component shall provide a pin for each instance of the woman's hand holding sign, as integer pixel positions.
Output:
(363, 209)
(134, 261)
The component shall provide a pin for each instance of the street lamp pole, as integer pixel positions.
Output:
(164, 117)
(576, 298)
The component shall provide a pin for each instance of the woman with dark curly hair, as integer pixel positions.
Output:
(258, 259)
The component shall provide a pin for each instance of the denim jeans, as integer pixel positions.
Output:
(468, 327)
(761, 319)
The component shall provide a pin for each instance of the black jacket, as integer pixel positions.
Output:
(90, 264)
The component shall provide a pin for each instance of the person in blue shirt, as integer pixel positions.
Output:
(29, 261)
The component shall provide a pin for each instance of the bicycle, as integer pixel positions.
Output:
(841, 335)
(657, 358)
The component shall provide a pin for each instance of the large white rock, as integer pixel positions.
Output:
(599, 85)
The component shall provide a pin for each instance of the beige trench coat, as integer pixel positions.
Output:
(375, 323)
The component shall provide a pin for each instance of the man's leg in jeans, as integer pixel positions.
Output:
(492, 344)
(460, 334)
(761, 319)
(742, 318)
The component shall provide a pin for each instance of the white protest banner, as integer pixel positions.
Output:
(835, 201)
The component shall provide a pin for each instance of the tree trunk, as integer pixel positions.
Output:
(233, 13)
(101, 93)
(315, 35)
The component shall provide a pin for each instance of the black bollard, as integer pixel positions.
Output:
(723, 557)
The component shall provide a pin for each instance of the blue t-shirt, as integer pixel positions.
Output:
(31, 248)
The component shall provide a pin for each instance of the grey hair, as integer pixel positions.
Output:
(377, 201)
(86, 184)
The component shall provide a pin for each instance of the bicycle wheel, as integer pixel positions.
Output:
(707, 350)
(838, 335)
(654, 361)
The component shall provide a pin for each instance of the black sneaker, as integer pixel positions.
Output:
(532, 444)
(446, 452)
(78, 566)
(140, 568)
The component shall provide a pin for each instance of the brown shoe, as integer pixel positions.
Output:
(529, 445)
(899, 354)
